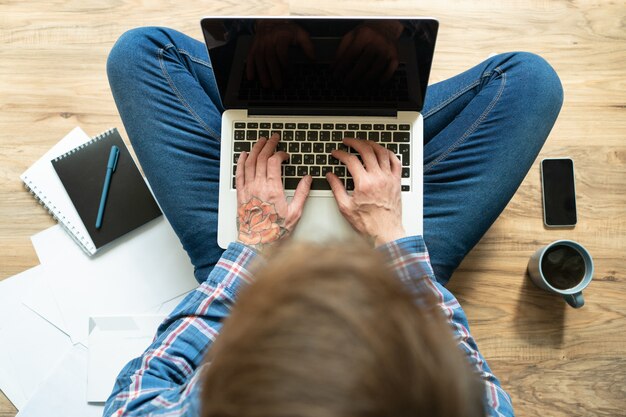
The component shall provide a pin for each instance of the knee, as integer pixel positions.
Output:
(130, 50)
(539, 83)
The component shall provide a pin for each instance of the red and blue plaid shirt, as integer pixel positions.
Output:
(164, 381)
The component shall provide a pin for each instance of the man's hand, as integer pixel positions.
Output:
(375, 207)
(369, 53)
(268, 57)
(263, 214)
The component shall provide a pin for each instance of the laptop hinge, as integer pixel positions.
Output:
(327, 111)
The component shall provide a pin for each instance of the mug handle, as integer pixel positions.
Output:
(575, 300)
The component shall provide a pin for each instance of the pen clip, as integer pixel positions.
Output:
(115, 152)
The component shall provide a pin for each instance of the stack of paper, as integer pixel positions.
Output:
(69, 325)
(135, 274)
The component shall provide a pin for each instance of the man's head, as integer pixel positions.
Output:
(331, 332)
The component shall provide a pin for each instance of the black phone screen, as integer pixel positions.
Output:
(559, 195)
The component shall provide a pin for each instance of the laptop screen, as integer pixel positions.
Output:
(321, 65)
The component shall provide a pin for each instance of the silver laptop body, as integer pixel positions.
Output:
(310, 124)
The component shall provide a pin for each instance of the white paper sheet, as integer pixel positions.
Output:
(11, 389)
(63, 393)
(135, 274)
(29, 346)
(45, 305)
(113, 342)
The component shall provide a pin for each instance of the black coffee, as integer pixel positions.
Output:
(563, 267)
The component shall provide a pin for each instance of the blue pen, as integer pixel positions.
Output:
(115, 153)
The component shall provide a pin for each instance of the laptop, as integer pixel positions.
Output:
(314, 92)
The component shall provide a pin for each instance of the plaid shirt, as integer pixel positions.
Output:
(164, 381)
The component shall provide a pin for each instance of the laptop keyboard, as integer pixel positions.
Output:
(309, 146)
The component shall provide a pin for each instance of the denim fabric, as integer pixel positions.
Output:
(482, 131)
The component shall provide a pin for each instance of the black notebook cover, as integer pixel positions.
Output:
(129, 203)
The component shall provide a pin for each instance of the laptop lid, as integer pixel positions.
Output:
(321, 65)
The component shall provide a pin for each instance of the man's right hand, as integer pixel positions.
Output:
(369, 53)
(375, 207)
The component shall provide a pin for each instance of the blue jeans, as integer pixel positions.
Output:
(482, 131)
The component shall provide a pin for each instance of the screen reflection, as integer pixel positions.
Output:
(321, 62)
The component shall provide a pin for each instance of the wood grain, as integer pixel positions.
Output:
(554, 360)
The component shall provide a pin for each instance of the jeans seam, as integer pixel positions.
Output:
(194, 59)
(206, 127)
(474, 125)
(456, 95)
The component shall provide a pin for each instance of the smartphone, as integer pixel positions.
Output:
(559, 192)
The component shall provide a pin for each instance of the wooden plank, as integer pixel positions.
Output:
(552, 359)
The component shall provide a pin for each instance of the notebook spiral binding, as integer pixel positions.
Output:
(84, 145)
(85, 244)
(58, 217)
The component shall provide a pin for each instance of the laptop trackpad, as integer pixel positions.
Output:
(321, 221)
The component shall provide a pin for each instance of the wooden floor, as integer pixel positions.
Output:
(553, 360)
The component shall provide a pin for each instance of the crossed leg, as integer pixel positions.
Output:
(482, 131)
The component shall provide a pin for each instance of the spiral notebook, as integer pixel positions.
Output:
(68, 182)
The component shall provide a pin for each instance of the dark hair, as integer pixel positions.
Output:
(331, 332)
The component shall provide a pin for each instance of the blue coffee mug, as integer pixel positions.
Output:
(573, 295)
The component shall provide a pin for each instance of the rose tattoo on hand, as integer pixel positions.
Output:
(264, 215)
(258, 223)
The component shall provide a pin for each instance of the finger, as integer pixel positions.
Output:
(274, 164)
(240, 175)
(363, 62)
(304, 41)
(250, 163)
(377, 68)
(348, 58)
(339, 191)
(343, 45)
(261, 68)
(352, 52)
(250, 65)
(299, 196)
(282, 52)
(396, 165)
(366, 152)
(382, 155)
(341, 56)
(266, 152)
(355, 167)
(391, 68)
(273, 66)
